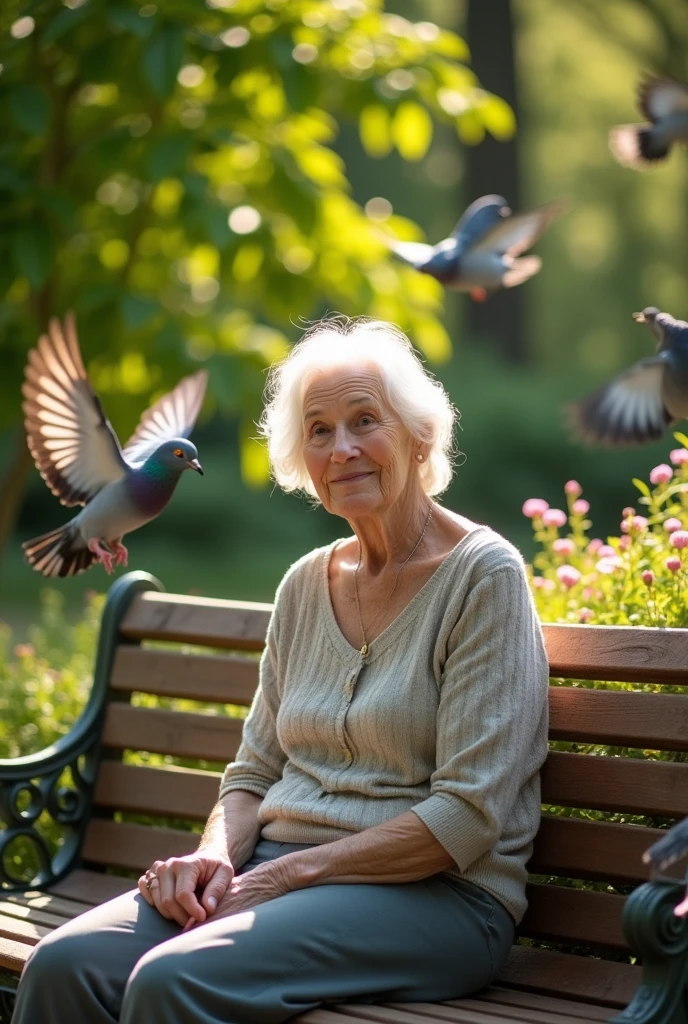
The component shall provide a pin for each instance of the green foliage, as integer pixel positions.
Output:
(45, 681)
(638, 578)
(170, 174)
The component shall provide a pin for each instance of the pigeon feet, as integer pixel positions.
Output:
(102, 554)
(120, 552)
(478, 294)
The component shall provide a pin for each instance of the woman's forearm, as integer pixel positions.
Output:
(401, 850)
(233, 826)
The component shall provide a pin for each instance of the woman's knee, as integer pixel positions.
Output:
(57, 958)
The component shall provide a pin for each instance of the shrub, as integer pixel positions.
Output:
(638, 578)
(45, 681)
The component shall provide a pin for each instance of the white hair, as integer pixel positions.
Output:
(417, 398)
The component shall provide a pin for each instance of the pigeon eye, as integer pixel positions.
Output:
(179, 453)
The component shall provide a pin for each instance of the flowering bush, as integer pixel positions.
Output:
(45, 681)
(638, 578)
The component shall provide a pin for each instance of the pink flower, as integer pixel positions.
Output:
(609, 564)
(648, 577)
(568, 576)
(581, 507)
(673, 563)
(585, 614)
(634, 524)
(624, 543)
(534, 507)
(563, 546)
(573, 488)
(543, 584)
(628, 511)
(554, 517)
(606, 551)
(594, 545)
(672, 524)
(679, 538)
(587, 593)
(661, 474)
(678, 456)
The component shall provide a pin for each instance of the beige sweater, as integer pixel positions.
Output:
(447, 716)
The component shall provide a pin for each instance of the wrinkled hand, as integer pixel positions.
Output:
(264, 883)
(187, 889)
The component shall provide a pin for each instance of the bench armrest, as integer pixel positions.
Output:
(35, 786)
(660, 939)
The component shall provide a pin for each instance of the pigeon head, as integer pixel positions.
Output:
(647, 316)
(176, 456)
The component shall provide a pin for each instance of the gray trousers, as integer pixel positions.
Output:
(123, 962)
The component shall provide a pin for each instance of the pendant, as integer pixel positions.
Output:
(364, 650)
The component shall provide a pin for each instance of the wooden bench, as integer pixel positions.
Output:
(583, 869)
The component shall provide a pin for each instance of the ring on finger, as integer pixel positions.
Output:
(150, 878)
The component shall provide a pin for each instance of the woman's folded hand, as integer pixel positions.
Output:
(188, 889)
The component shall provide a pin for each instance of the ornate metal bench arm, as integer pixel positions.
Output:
(34, 787)
(660, 939)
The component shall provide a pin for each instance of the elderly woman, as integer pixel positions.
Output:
(371, 837)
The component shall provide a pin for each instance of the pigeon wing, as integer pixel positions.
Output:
(415, 253)
(629, 410)
(72, 442)
(173, 415)
(478, 218)
(661, 97)
(514, 235)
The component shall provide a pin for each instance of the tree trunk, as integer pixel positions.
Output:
(12, 488)
(493, 167)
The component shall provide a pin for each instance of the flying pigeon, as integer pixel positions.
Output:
(664, 103)
(638, 405)
(484, 251)
(78, 455)
(666, 851)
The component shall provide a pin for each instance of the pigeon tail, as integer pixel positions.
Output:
(637, 145)
(59, 553)
(520, 270)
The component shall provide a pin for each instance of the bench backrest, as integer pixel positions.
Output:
(571, 851)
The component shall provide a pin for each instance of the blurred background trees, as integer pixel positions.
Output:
(196, 177)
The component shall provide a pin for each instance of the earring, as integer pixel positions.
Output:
(419, 457)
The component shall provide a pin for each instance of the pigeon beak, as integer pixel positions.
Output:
(639, 318)
(195, 464)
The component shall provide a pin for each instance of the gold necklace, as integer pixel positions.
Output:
(365, 646)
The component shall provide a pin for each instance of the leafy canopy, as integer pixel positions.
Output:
(170, 174)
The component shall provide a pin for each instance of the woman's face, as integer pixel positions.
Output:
(357, 452)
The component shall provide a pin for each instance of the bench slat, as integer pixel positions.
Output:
(481, 1011)
(528, 1000)
(35, 900)
(170, 792)
(35, 915)
(235, 625)
(618, 653)
(14, 954)
(654, 721)
(584, 978)
(576, 916)
(224, 679)
(386, 1015)
(134, 847)
(592, 850)
(616, 784)
(91, 887)
(180, 733)
(22, 931)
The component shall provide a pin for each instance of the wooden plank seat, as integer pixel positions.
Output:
(158, 699)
